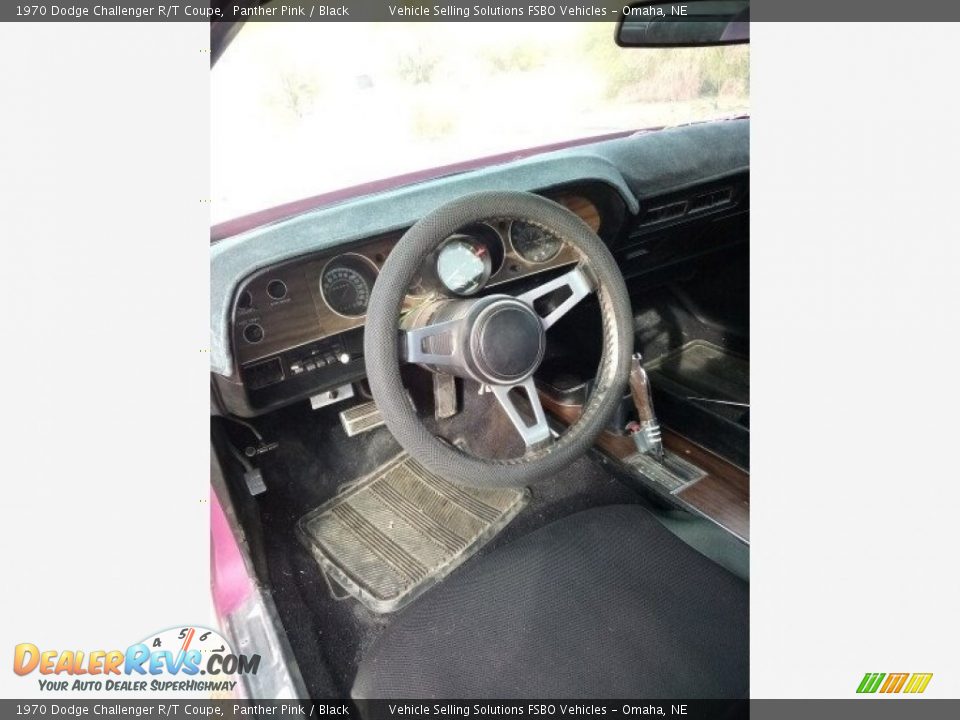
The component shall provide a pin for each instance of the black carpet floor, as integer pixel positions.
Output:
(315, 458)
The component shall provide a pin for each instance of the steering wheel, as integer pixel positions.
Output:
(497, 340)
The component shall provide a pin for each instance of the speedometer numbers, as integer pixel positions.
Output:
(346, 283)
(533, 243)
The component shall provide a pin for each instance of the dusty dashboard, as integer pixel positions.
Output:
(297, 327)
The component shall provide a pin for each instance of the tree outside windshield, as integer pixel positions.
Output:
(299, 109)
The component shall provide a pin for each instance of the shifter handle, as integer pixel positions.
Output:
(646, 434)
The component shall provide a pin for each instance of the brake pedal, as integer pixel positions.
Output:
(361, 418)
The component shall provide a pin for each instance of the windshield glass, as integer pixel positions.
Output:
(301, 109)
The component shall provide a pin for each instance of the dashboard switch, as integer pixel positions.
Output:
(253, 333)
(277, 289)
(344, 357)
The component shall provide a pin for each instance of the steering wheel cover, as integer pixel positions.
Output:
(382, 355)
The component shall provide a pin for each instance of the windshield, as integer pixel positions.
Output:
(301, 109)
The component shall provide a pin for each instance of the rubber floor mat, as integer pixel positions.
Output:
(399, 531)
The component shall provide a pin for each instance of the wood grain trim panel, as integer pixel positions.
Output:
(581, 207)
(723, 495)
(722, 502)
(286, 323)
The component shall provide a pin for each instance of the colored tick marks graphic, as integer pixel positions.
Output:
(890, 683)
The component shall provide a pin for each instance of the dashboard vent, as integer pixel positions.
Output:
(662, 213)
(710, 200)
(692, 206)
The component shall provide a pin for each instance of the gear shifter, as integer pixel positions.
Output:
(646, 431)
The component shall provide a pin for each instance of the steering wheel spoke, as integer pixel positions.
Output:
(579, 285)
(427, 346)
(532, 434)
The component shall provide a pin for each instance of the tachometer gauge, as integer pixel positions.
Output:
(346, 282)
(463, 265)
(534, 244)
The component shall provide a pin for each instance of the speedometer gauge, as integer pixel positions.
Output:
(534, 244)
(463, 264)
(345, 284)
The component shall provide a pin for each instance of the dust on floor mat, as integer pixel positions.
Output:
(399, 531)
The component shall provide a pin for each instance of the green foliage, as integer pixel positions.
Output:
(417, 65)
(432, 125)
(295, 93)
(516, 58)
(668, 74)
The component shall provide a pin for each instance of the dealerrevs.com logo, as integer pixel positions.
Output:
(182, 660)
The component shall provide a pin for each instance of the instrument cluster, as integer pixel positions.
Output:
(466, 261)
(321, 296)
(463, 265)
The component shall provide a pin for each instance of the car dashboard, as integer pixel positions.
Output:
(297, 326)
(289, 299)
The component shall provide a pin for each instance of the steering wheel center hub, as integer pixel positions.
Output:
(507, 341)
